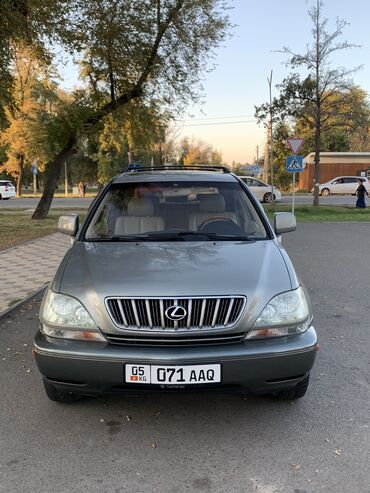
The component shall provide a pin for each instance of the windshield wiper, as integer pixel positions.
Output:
(122, 238)
(195, 236)
(176, 236)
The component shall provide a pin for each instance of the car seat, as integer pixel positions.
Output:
(139, 219)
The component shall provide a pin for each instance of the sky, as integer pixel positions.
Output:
(239, 82)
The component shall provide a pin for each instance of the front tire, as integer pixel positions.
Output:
(296, 392)
(57, 395)
(325, 192)
(267, 198)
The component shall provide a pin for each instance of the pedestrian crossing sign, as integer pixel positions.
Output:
(294, 164)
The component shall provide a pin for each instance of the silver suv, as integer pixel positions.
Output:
(176, 281)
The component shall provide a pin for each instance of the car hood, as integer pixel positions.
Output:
(93, 271)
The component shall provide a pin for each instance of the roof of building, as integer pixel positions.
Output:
(339, 157)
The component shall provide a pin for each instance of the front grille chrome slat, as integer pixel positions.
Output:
(200, 313)
(136, 315)
(216, 312)
(122, 312)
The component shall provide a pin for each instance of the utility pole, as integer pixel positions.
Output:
(269, 80)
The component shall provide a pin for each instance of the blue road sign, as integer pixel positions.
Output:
(34, 170)
(294, 164)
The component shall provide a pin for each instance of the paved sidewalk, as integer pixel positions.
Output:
(26, 268)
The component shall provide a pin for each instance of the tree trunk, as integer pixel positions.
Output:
(51, 182)
(160, 155)
(20, 176)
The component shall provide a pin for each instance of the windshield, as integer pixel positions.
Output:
(175, 211)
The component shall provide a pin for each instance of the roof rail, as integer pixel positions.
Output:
(190, 167)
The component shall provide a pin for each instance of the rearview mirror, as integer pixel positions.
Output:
(68, 225)
(284, 222)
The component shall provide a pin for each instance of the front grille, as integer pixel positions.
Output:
(200, 313)
(198, 340)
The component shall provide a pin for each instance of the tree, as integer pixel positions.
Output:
(153, 49)
(24, 136)
(199, 152)
(282, 179)
(32, 24)
(135, 133)
(311, 98)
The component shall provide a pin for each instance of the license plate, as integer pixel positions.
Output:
(176, 375)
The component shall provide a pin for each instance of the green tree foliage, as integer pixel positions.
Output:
(152, 49)
(282, 179)
(132, 134)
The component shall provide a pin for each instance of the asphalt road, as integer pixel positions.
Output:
(63, 203)
(185, 443)
(58, 203)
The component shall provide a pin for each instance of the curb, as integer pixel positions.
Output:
(9, 311)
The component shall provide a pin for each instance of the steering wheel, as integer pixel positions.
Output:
(219, 224)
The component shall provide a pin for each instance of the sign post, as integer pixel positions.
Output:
(34, 172)
(294, 163)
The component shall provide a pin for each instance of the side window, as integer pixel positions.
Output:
(350, 180)
(338, 182)
(247, 181)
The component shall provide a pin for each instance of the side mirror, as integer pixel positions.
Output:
(68, 225)
(284, 222)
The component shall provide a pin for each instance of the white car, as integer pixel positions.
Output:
(261, 190)
(7, 190)
(343, 185)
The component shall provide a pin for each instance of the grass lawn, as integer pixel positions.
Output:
(18, 227)
(323, 213)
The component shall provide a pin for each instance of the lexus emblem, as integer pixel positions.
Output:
(176, 313)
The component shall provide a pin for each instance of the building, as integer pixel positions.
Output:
(334, 164)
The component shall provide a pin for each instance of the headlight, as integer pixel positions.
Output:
(65, 317)
(286, 314)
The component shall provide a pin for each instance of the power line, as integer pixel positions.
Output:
(215, 123)
(214, 117)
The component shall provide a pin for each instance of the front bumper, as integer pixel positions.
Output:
(255, 366)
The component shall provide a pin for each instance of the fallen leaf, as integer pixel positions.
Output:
(101, 420)
(338, 451)
(128, 418)
(28, 370)
(296, 466)
(154, 445)
(158, 413)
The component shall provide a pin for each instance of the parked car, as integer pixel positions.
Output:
(176, 281)
(343, 185)
(7, 190)
(260, 189)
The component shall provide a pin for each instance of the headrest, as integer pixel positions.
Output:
(212, 203)
(140, 207)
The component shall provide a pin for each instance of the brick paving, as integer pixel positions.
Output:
(26, 268)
